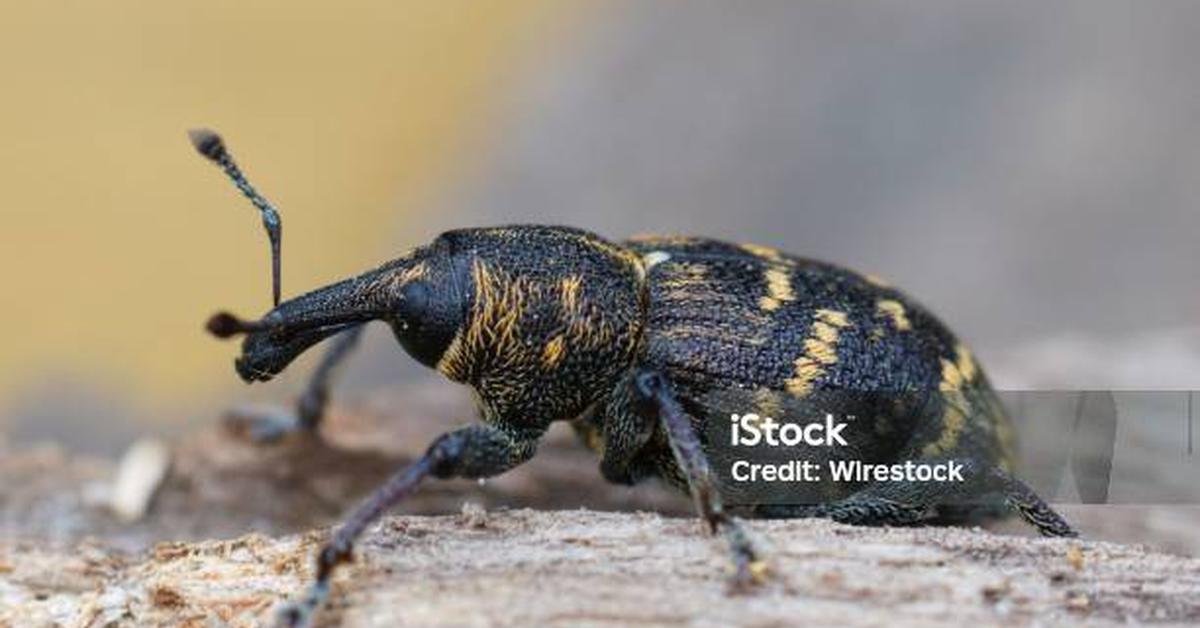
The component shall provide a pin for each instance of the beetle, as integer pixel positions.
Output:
(644, 345)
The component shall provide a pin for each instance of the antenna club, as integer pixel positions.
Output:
(225, 325)
(208, 143)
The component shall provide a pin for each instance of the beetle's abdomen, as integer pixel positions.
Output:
(743, 322)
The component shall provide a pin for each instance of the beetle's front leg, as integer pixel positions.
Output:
(653, 392)
(478, 451)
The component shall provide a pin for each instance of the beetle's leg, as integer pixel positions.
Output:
(271, 425)
(477, 451)
(624, 432)
(858, 509)
(652, 390)
(907, 503)
(1030, 506)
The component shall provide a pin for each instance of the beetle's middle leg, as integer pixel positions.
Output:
(271, 425)
(652, 391)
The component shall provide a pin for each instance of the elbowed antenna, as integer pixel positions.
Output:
(209, 144)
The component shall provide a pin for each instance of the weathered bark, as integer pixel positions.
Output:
(65, 561)
(525, 567)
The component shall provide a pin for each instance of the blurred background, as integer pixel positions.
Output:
(1027, 170)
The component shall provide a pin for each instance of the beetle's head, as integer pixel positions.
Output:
(419, 295)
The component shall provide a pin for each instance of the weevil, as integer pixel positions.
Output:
(641, 345)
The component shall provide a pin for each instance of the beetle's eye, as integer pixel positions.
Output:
(414, 301)
(425, 322)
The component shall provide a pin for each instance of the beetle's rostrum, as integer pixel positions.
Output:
(641, 345)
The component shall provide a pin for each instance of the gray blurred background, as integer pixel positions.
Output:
(1026, 169)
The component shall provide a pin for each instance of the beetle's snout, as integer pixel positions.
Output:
(266, 353)
(279, 337)
(263, 357)
(257, 366)
(250, 373)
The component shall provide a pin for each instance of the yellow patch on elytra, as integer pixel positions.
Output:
(807, 372)
(826, 333)
(965, 362)
(779, 289)
(960, 371)
(954, 419)
(833, 317)
(951, 377)
(894, 310)
(955, 374)
(763, 252)
(820, 351)
(554, 352)
(876, 280)
(767, 403)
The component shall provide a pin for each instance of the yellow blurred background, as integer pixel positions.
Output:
(1050, 155)
(118, 240)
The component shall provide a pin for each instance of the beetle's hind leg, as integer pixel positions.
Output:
(858, 509)
(652, 393)
(911, 503)
(269, 425)
(1030, 506)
